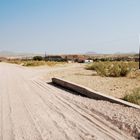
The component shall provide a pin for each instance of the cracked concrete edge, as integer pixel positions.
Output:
(91, 93)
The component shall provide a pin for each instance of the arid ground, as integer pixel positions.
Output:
(116, 87)
(32, 109)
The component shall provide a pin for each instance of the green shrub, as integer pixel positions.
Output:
(38, 58)
(112, 69)
(133, 97)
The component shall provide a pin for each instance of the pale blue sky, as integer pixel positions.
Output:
(69, 26)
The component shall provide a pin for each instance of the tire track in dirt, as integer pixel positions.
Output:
(84, 114)
(22, 126)
(34, 110)
(40, 123)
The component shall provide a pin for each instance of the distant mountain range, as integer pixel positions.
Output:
(125, 53)
(90, 53)
(16, 54)
(117, 53)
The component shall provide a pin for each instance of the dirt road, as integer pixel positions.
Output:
(31, 109)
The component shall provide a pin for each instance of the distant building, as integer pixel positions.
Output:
(70, 61)
(88, 61)
(77, 58)
(54, 58)
(3, 59)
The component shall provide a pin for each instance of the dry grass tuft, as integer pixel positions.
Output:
(133, 96)
(134, 74)
(33, 63)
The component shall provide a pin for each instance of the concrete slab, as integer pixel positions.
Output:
(91, 93)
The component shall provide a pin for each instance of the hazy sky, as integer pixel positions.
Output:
(69, 26)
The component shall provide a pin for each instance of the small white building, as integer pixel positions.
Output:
(88, 61)
(70, 61)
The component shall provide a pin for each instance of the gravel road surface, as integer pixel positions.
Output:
(31, 109)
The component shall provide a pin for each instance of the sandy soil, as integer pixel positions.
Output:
(31, 109)
(116, 87)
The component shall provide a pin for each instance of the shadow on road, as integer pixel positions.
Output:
(66, 89)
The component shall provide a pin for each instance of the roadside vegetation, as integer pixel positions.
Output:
(113, 69)
(38, 61)
(133, 96)
(33, 63)
(127, 69)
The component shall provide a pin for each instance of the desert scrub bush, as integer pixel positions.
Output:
(112, 69)
(133, 96)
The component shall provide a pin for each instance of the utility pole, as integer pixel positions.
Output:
(139, 57)
(139, 52)
(45, 56)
